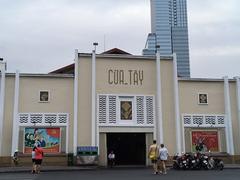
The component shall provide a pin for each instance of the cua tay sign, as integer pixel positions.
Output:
(125, 77)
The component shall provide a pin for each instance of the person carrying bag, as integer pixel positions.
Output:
(153, 154)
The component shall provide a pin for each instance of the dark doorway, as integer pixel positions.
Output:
(129, 148)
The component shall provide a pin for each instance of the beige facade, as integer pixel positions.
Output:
(121, 79)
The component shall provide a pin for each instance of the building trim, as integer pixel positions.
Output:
(176, 106)
(120, 56)
(181, 79)
(228, 114)
(2, 101)
(93, 116)
(15, 129)
(75, 120)
(238, 101)
(159, 122)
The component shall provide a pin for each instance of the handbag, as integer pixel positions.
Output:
(153, 154)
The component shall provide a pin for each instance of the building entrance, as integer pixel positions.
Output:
(129, 148)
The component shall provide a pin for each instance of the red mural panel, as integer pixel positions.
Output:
(205, 141)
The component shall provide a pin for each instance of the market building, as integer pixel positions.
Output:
(121, 102)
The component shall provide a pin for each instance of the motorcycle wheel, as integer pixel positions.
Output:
(221, 166)
(209, 167)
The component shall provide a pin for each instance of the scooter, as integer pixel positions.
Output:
(216, 163)
(204, 162)
(176, 161)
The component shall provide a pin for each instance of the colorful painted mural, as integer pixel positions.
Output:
(47, 138)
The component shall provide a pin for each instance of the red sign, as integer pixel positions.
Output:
(205, 141)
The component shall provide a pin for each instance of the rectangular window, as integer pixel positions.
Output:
(44, 96)
(202, 98)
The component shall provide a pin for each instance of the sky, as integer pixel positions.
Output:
(39, 36)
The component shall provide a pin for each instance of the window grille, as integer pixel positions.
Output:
(42, 119)
(102, 109)
(112, 109)
(220, 120)
(150, 109)
(50, 118)
(187, 119)
(140, 110)
(205, 120)
(23, 118)
(36, 118)
(62, 118)
(210, 120)
(198, 120)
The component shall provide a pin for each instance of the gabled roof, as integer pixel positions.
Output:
(116, 51)
(69, 69)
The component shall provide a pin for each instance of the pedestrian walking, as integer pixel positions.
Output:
(15, 158)
(153, 154)
(33, 160)
(111, 159)
(163, 156)
(38, 158)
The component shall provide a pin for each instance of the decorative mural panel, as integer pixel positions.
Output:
(205, 141)
(47, 138)
(126, 110)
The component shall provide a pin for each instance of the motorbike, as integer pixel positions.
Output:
(184, 162)
(176, 161)
(195, 161)
(204, 162)
(216, 163)
(179, 161)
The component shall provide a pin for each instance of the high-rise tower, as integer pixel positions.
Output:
(170, 30)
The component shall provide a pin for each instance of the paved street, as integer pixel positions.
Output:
(125, 174)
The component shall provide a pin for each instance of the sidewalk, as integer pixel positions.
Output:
(46, 168)
(75, 168)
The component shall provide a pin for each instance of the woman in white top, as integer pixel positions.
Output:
(111, 158)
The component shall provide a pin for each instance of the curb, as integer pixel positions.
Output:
(76, 168)
(46, 169)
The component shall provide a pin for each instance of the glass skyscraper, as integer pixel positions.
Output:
(170, 30)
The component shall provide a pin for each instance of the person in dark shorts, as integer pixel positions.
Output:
(153, 154)
(111, 159)
(38, 158)
(33, 160)
(163, 156)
